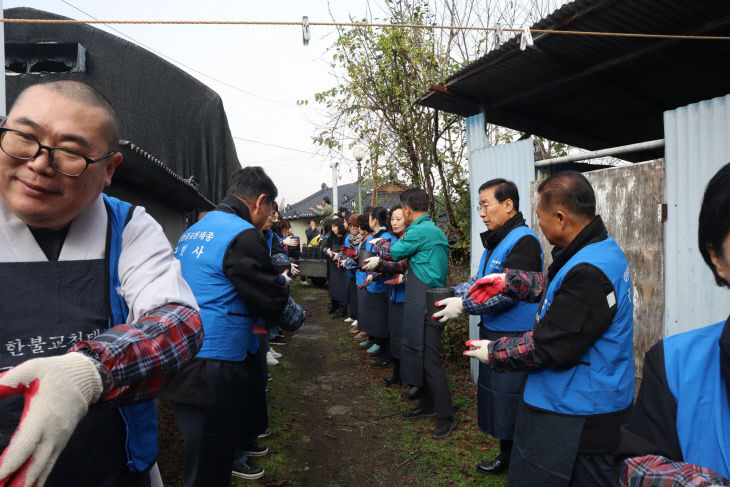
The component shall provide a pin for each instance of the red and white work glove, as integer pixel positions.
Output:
(481, 352)
(290, 242)
(371, 263)
(398, 279)
(58, 392)
(287, 279)
(368, 281)
(487, 287)
(453, 307)
(295, 270)
(373, 241)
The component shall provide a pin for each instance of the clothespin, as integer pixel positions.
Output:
(306, 35)
(525, 38)
(501, 35)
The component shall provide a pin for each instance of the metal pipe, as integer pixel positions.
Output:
(359, 186)
(611, 151)
(335, 203)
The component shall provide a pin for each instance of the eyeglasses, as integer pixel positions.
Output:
(480, 206)
(24, 146)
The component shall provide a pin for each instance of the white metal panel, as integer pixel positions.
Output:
(697, 144)
(513, 162)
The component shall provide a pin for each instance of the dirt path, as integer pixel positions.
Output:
(335, 424)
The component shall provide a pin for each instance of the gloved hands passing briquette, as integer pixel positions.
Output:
(373, 241)
(453, 307)
(397, 279)
(487, 287)
(58, 392)
(287, 279)
(368, 281)
(295, 270)
(481, 350)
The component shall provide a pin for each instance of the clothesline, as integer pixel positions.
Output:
(365, 24)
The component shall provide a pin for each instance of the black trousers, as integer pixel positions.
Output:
(211, 430)
(435, 394)
(256, 413)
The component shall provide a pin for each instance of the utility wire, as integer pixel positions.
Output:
(178, 62)
(363, 24)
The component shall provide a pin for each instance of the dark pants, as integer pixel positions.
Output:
(435, 394)
(594, 470)
(211, 431)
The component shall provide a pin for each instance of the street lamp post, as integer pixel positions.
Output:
(334, 167)
(358, 152)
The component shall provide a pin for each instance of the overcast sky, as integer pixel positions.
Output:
(259, 71)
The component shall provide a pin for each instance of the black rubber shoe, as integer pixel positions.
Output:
(443, 428)
(255, 450)
(248, 470)
(417, 413)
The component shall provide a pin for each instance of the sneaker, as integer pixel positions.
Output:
(366, 344)
(374, 349)
(274, 353)
(255, 450)
(248, 470)
(267, 388)
(354, 324)
(361, 335)
(278, 340)
(270, 359)
(443, 428)
(265, 434)
(269, 377)
(349, 320)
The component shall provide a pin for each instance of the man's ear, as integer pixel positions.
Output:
(260, 202)
(111, 165)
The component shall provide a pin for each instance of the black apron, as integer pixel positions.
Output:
(362, 323)
(374, 313)
(46, 307)
(337, 279)
(545, 448)
(498, 393)
(352, 290)
(395, 325)
(414, 318)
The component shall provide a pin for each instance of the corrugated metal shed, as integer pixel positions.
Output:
(514, 162)
(697, 139)
(551, 89)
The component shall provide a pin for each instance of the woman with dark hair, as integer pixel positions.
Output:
(363, 221)
(335, 275)
(678, 433)
(374, 318)
(352, 239)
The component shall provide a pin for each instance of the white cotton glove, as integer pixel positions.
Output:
(328, 252)
(371, 263)
(290, 242)
(295, 270)
(481, 352)
(336, 256)
(453, 308)
(373, 241)
(287, 279)
(58, 392)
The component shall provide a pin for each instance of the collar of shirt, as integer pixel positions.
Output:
(231, 204)
(595, 231)
(491, 238)
(420, 220)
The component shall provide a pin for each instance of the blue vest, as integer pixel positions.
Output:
(140, 420)
(397, 292)
(692, 364)
(607, 384)
(360, 276)
(350, 273)
(521, 316)
(376, 287)
(227, 324)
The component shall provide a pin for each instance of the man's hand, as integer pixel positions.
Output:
(319, 207)
(371, 263)
(58, 392)
(452, 308)
(290, 242)
(295, 270)
(487, 287)
(398, 279)
(373, 241)
(481, 352)
(287, 279)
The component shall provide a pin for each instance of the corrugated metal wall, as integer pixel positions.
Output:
(697, 139)
(514, 162)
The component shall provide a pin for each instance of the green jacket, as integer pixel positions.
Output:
(325, 212)
(427, 250)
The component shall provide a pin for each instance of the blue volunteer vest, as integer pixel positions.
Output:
(521, 316)
(604, 380)
(140, 420)
(227, 324)
(360, 276)
(376, 287)
(350, 273)
(397, 292)
(692, 365)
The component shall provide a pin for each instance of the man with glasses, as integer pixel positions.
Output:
(226, 261)
(95, 309)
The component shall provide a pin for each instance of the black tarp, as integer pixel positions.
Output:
(161, 109)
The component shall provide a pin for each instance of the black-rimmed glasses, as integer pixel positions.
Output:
(24, 146)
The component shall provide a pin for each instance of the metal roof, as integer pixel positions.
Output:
(347, 195)
(143, 172)
(596, 91)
